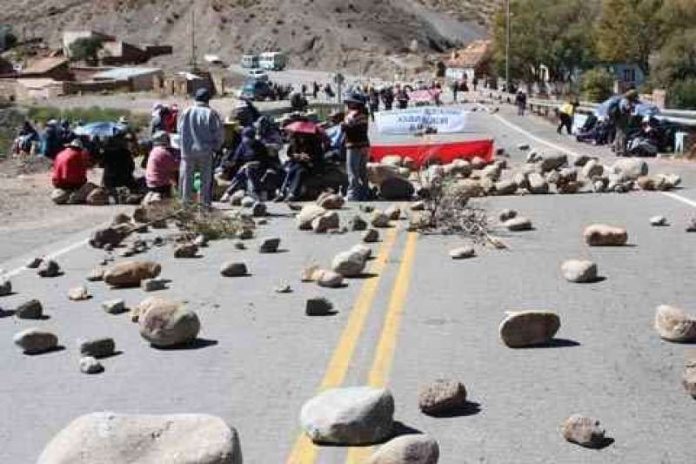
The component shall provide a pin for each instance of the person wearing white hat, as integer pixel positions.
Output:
(162, 167)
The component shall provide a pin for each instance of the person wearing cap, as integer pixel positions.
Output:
(201, 135)
(70, 167)
(357, 143)
(162, 167)
(621, 118)
(249, 161)
(50, 140)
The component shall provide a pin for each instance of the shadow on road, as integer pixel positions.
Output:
(197, 344)
(470, 408)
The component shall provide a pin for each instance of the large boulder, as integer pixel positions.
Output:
(407, 449)
(537, 183)
(35, 341)
(592, 169)
(131, 273)
(675, 324)
(442, 396)
(579, 271)
(349, 263)
(107, 437)
(349, 416)
(111, 236)
(169, 324)
(553, 162)
(308, 213)
(529, 328)
(632, 168)
(396, 188)
(604, 235)
(325, 222)
(378, 173)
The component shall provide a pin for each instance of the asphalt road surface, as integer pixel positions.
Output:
(417, 317)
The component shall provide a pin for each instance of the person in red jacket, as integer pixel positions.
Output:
(70, 166)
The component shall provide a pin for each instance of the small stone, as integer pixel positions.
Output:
(234, 269)
(186, 250)
(329, 279)
(357, 224)
(318, 307)
(441, 397)
(239, 245)
(131, 273)
(367, 208)
(407, 449)
(604, 235)
(245, 234)
(34, 263)
(5, 286)
(537, 184)
(259, 209)
(166, 324)
(579, 271)
(462, 252)
(506, 187)
(262, 222)
(330, 201)
(518, 224)
(418, 206)
(393, 212)
(689, 377)
(269, 245)
(370, 236)
(348, 264)
(507, 214)
(529, 328)
(658, 221)
(79, 294)
(247, 202)
(48, 268)
(90, 365)
(283, 288)
(114, 306)
(349, 416)
(553, 162)
(153, 285)
(96, 275)
(32, 309)
(584, 431)
(97, 347)
(592, 169)
(675, 324)
(325, 222)
(379, 220)
(121, 218)
(201, 241)
(34, 341)
(523, 146)
(236, 198)
(364, 251)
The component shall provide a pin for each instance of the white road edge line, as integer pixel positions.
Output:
(560, 148)
(52, 255)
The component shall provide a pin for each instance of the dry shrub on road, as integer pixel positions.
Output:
(214, 224)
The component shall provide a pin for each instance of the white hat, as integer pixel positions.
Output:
(76, 143)
(160, 138)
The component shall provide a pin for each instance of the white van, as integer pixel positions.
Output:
(272, 61)
(250, 61)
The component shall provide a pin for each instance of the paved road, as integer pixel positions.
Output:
(419, 317)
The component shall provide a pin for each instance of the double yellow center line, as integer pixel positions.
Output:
(304, 451)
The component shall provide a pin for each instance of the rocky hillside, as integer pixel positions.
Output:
(361, 36)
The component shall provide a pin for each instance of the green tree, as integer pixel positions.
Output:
(628, 31)
(597, 85)
(682, 94)
(86, 49)
(676, 60)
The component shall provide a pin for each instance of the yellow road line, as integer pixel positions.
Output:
(304, 451)
(384, 355)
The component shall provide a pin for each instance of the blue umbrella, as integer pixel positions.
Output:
(99, 129)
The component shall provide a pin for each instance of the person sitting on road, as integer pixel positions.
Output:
(162, 168)
(118, 165)
(25, 138)
(305, 156)
(249, 162)
(51, 140)
(70, 167)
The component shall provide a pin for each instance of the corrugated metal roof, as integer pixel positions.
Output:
(125, 73)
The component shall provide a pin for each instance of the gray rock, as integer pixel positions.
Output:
(553, 177)
(505, 187)
(165, 325)
(604, 235)
(675, 324)
(247, 202)
(592, 169)
(349, 416)
(462, 252)
(362, 250)
(201, 241)
(348, 264)
(584, 431)
(520, 178)
(418, 206)
(523, 146)
(79, 293)
(507, 214)
(442, 396)
(393, 212)
(34, 263)
(325, 222)
(97, 347)
(581, 160)
(689, 377)
(370, 236)
(236, 198)
(269, 245)
(658, 221)
(283, 288)
(318, 307)
(379, 219)
(186, 250)
(31, 309)
(553, 162)
(35, 341)
(518, 224)
(396, 188)
(329, 279)
(153, 285)
(234, 269)
(245, 234)
(529, 328)
(96, 275)
(5, 286)
(407, 449)
(330, 201)
(537, 184)
(691, 226)
(114, 306)
(107, 437)
(48, 268)
(357, 224)
(131, 273)
(579, 271)
(90, 365)
(633, 168)
(307, 215)
(239, 245)
(259, 209)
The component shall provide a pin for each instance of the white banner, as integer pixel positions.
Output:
(409, 121)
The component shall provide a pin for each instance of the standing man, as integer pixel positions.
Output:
(566, 113)
(621, 115)
(201, 135)
(521, 102)
(355, 128)
(455, 89)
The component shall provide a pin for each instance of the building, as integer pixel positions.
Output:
(38, 89)
(182, 84)
(137, 79)
(472, 61)
(56, 68)
(117, 52)
(626, 76)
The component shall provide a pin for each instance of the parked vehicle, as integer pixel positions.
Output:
(258, 74)
(273, 61)
(250, 61)
(257, 90)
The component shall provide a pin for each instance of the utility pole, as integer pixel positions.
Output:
(507, 46)
(194, 64)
